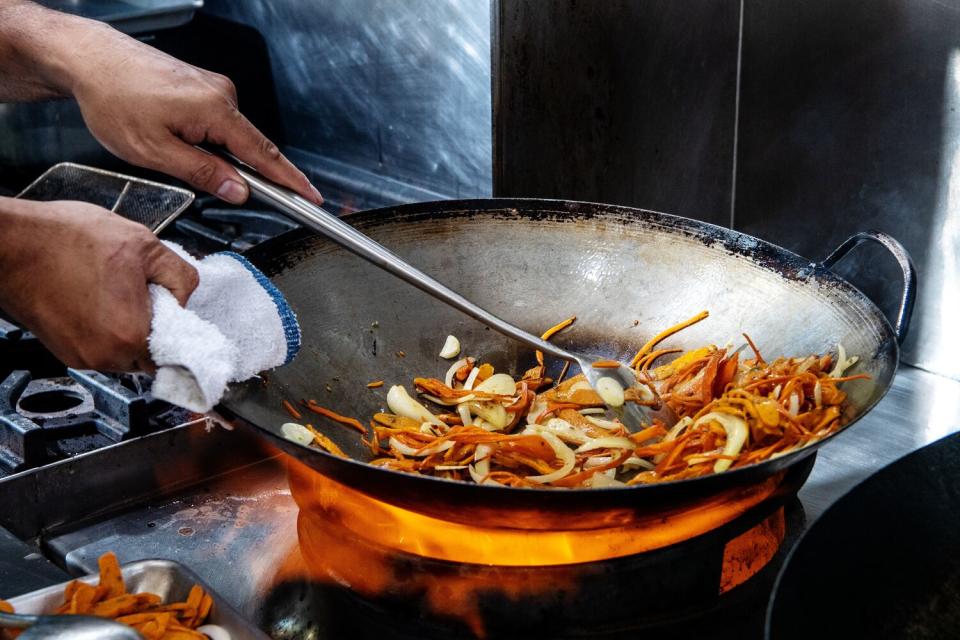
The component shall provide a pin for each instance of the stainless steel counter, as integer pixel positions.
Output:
(238, 532)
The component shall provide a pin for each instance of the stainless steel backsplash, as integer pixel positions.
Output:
(798, 122)
(370, 88)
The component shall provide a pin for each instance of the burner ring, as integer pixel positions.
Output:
(54, 398)
(54, 401)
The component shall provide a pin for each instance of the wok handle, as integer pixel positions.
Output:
(900, 254)
(318, 219)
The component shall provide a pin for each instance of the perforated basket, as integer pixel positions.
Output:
(151, 204)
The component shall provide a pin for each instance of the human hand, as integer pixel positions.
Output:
(150, 109)
(76, 275)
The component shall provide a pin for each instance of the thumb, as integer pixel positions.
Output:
(164, 267)
(202, 171)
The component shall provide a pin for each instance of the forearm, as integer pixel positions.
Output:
(42, 50)
(14, 219)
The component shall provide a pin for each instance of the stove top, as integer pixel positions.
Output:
(95, 464)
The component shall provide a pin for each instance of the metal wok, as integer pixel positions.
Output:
(536, 262)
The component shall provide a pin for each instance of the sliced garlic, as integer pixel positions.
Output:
(451, 348)
(296, 433)
(491, 412)
(402, 404)
(610, 392)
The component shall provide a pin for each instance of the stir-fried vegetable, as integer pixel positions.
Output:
(489, 427)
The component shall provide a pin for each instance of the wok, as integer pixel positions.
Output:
(625, 273)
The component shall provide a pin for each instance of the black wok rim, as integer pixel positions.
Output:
(765, 254)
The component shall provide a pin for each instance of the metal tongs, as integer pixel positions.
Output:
(610, 382)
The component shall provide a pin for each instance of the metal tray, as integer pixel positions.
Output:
(169, 580)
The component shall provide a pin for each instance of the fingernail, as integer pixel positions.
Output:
(316, 194)
(232, 191)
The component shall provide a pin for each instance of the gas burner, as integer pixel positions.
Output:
(208, 227)
(442, 579)
(48, 419)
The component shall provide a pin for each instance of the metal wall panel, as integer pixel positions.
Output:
(622, 101)
(850, 119)
(380, 88)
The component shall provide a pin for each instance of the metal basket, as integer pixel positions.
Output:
(152, 204)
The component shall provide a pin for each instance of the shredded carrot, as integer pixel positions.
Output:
(756, 351)
(325, 442)
(560, 326)
(605, 364)
(327, 413)
(784, 405)
(292, 410)
(663, 335)
(375, 384)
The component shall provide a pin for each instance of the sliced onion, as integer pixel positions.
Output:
(481, 467)
(465, 417)
(794, 405)
(607, 442)
(468, 385)
(596, 461)
(500, 384)
(449, 403)
(635, 462)
(296, 433)
(450, 467)
(776, 392)
(537, 408)
(592, 411)
(452, 371)
(843, 362)
(451, 348)
(645, 393)
(402, 404)
(609, 425)
(563, 452)
(736, 430)
(780, 454)
(697, 459)
(675, 430)
(560, 428)
(407, 450)
(610, 391)
(818, 395)
(604, 479)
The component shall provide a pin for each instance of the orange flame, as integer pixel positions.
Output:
(425, 536)
(351, 539)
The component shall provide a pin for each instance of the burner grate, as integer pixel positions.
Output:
(48, 419)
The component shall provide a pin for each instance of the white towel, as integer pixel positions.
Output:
(235, 325)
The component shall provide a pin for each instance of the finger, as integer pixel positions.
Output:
(202, 170)
(249, 145)
(166, 268)
(145, 364)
